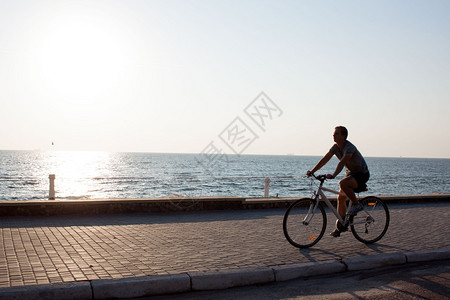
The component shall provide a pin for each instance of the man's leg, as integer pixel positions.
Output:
(342, 204)
(347, 185)
(341, 208)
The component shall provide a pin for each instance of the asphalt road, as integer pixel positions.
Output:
(412, 281)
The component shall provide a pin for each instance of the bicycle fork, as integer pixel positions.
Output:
(310, 214)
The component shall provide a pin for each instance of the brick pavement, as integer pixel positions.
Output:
(41, 250)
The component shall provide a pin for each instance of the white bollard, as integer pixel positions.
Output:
(266, 187)
(51, 195)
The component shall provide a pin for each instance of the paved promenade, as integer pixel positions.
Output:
(42, 250)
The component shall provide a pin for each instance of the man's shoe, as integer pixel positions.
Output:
(340, 227)
(335, 233)
(356, 208)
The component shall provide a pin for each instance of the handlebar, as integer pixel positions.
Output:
(321, 178)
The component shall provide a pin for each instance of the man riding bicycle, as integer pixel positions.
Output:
(356, 174)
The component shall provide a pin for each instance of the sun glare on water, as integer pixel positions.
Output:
(75, 172)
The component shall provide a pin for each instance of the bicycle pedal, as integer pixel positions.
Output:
(340, 227)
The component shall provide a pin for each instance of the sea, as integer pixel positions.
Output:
(24, 175)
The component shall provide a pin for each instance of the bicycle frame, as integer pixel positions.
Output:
(320, 196)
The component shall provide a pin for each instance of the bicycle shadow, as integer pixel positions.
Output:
(315, 255)
(384, 248)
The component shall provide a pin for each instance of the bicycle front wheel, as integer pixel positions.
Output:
(303, 224)
(370, 224)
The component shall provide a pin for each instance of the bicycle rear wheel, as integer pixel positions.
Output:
(304, 226)
(370, 224)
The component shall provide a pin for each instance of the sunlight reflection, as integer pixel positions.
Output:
(75, 170)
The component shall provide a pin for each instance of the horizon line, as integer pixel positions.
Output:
(232, 154)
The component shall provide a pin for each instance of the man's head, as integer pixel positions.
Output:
(340, 134)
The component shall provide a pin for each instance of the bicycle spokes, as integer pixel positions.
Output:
(304, 223)
(369, 225)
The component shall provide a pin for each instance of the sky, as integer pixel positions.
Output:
(245, 77)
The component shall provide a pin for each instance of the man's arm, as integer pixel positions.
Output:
(341, 164)
(321, 162)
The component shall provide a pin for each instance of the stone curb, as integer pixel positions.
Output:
(140, 286)
(230, 278)
(197, 281)
(374, 261)
(70, 291)
(288, 272)
(439, 254)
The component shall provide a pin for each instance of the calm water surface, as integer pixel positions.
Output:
(93, 175)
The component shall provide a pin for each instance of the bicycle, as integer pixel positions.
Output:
(305, 220)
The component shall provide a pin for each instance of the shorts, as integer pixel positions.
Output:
(361, 179)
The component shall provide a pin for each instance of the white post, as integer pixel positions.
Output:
(266, 187)
(52, 187)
